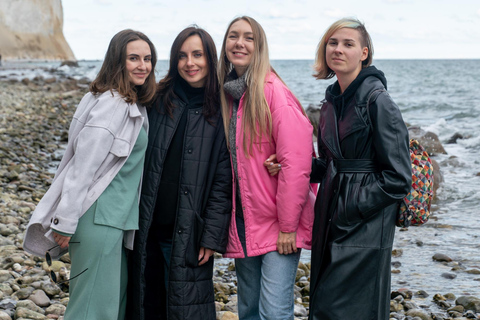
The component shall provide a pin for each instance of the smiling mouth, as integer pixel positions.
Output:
(191, 72)
(239, 53)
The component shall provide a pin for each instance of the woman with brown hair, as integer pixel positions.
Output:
(91, 208)
(185, 205)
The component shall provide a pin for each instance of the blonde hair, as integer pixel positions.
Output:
(322, 71)
(257, 119)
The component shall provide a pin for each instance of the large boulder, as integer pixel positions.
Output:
(32, 29)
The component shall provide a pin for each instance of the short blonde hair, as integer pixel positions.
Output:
(322, 71)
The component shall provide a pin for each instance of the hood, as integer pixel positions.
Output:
(338, 99)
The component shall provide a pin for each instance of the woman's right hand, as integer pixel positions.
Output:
(61, 240)
(272, 165)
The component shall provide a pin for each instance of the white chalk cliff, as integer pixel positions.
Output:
(33, 29)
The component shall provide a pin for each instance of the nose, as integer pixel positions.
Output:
(190, 61)
(239, 42)
(141, 64)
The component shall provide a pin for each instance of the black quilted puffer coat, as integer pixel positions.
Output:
(364, 169)
(202, 218)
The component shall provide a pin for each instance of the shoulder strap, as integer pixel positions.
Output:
(378, 91)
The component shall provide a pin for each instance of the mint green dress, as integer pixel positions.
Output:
(99, 257)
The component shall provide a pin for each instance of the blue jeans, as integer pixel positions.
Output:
(265, 286)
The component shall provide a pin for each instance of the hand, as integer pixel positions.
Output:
(61, 240)
(272, 165)
(287, 242)
(204, 255)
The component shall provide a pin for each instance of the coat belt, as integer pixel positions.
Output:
(355, 165)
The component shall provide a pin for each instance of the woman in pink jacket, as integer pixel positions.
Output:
(273, 215)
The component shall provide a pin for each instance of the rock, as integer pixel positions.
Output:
(50, 289)
(421, 294)
(23, 293)
(56, 309)
(69, 63)
(29, 314)
(447, 275)
(469, 303)
(454, 138)
(4, 316)
(428, 140)
(300, 311)
(397, 253)
(34, 34)
(313, 114)
(30, 305)
(418, 313)
(227, 315)
(40, 298)
(473, 271)
(441, 257)
(8, 304)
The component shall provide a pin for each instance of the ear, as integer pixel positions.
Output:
(364, 54)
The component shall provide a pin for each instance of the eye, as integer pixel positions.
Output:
(182, 56)
(249, 38)
(132, 58)
(198, 55)
(148, 59)
(232, 36)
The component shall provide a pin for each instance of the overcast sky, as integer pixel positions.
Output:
(400, 29)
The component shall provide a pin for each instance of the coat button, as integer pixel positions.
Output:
(189, 151)
(197, 112)
(55, 221)
(179, 230)
(186, 192)
(239, 178)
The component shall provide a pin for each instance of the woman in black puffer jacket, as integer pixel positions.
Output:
(185, 205)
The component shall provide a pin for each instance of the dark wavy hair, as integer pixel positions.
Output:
(114, 75)
(165, 86)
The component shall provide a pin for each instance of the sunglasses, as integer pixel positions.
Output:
(53, 276)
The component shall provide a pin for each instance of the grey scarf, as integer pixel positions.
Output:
(235, 86)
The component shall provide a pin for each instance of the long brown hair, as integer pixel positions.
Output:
(165, 86)
(114, 75)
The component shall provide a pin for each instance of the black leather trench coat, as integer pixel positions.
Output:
(203, 214)
(357, 204)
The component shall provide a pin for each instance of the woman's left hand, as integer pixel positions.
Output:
(287, 242)
(272, 165)
(204, 255)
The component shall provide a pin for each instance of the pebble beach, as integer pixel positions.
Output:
(34, 119)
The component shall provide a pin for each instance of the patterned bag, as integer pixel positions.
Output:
(414, 209)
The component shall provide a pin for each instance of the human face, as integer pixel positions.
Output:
(139, 61)
(192, 63)
(240, 45)
(344, 54)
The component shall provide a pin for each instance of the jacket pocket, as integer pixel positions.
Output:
(351, 214)
(193, 245)
(120, 148)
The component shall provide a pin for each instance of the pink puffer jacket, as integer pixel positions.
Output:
(283, 202)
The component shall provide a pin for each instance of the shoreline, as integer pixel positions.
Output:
(35, 115)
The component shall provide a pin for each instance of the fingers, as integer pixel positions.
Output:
(286, 243)
(62, 241)
(272, 165)
(204, 255)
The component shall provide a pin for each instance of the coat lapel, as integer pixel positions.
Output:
(329, 130)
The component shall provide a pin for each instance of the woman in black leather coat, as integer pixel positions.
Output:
(364, 170)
